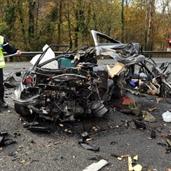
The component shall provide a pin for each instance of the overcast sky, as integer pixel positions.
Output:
(163, 3)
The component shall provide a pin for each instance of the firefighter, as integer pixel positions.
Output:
(4, 45)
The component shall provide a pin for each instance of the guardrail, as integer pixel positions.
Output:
(157, 53)
(146, 53)
(30, 54)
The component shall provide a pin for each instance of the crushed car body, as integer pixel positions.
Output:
(139, 74)
(71, 85)
(59, 93)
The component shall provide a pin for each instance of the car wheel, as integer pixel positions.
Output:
(22, 110)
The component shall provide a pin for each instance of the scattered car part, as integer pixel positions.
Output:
(3, 133)
(139, 124)
(10, 82)
(85, 136)
(137, 167)
(162, 144)
(7, 141)
(97, 158)
(153, 134)
(96, 166)
(148, 116)
(166, 116)
(4, 140)
(87, 146)
(40, 128)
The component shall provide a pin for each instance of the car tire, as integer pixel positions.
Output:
(22, 110)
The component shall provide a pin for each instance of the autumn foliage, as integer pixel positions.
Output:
(29, 24)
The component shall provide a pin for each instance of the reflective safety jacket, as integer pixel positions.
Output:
(2, 60)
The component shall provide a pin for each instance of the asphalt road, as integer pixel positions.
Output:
(60, 151)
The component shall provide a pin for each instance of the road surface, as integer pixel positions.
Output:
(60, 151)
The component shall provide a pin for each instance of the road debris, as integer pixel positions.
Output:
(127, 101)
(137, 167)
(130, 168)
(166, 116)
(96, 166)
(152, 109)
(162, 144)
(159, 99)
(4, 140)
(135, 158)
(87, 146)
(135, 108)
(153, 134)
(168, 149)
(119, 157)
(97, 158)
(148, 117)
(85, 136)
(139, 124)
(10, 82)
(46, 129)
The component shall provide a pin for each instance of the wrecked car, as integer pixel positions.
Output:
(60, 88)
(71, 85)
(131, 70)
